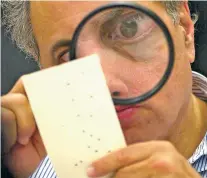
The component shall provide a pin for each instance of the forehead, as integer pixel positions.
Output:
(56, 20)
(52, 12)
(60, 9)
(53, 20)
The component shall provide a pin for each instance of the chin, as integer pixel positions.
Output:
(133, 136)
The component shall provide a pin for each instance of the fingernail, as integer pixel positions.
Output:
(91, 171)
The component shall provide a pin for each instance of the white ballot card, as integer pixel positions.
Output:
(75, 114)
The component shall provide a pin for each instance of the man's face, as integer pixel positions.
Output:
(155, 118)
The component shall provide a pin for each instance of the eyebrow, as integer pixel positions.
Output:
(59, 44)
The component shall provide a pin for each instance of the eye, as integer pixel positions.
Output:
(64, 57)
(129, 28)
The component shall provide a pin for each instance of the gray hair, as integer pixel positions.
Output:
(17, 23)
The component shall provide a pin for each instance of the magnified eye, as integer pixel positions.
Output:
(132, 41)
(127, 28)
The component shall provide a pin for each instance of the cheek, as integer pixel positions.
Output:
(165, 108)
(149, 69)
(146, 73)
(172, 100)
(181, 79)
(145, 77)
(176, 92)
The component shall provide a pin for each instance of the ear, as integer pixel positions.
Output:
(188, 30)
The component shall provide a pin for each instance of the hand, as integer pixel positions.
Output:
(155, 159)
(22, 145)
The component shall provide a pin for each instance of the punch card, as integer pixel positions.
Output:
(75, 115)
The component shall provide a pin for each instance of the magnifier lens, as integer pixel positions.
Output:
(133, 49)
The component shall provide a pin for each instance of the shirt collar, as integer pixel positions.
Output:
(199, 85)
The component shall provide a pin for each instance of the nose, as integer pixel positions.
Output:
(117, 88)
(110, 65)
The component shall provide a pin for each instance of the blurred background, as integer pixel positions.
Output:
(14, 63)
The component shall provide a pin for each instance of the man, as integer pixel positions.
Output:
(169, 138)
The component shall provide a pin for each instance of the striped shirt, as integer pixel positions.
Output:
(198, 160)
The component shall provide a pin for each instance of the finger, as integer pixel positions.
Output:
(19, 105)
(18, 87)
(138, 170)
(125, 157)
(8, 129)
(157, 166)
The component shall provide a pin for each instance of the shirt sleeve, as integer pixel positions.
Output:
(44, 170)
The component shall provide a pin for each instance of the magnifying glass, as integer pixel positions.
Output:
(134, 36)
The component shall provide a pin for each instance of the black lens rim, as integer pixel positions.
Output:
(166, 32)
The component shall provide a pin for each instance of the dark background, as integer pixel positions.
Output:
(14, 64)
